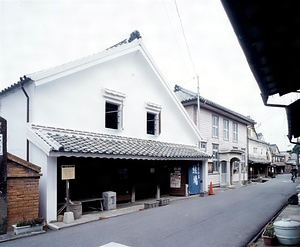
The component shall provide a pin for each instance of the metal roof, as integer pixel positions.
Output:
(66, 142)
(185, 95)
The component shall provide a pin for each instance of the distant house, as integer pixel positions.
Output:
(224, 137)
(113, 118)
(259, 156)
(291, 163)
(278, 159)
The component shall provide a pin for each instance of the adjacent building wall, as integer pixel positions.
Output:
(22, 192)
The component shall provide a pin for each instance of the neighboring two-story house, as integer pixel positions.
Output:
(278, 159)
(224, 137)
(113, 119)
(259, 153)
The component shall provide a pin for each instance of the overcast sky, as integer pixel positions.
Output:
(37, 35)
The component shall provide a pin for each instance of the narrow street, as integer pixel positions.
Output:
(229, 218)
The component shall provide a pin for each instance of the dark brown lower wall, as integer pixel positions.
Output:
(22, 199)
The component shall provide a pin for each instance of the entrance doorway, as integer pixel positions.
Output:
(194, 179)
(223, 181)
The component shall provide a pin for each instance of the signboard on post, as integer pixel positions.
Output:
(67, 172)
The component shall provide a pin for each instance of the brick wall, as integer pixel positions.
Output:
(22, 190)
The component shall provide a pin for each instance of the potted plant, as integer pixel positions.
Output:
(268, 234)
(28, 225)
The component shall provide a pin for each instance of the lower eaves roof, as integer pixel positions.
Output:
(258, 161)
(66, 142)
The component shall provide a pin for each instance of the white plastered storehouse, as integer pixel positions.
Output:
(115, 118)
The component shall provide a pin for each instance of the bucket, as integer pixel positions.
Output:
(76, 208)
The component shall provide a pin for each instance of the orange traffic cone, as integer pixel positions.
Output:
(211, 191)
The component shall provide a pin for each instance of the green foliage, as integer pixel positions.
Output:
(30, 222)
(296, 149)
(269, 230)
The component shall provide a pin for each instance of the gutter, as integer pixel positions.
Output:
(22, 81)
(289, 136)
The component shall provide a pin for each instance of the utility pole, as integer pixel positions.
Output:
(198, 104)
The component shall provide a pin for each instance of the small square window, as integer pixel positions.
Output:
(112, 115)
(153, 119)
(153, 123)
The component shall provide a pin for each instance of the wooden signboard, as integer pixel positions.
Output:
(68, 172)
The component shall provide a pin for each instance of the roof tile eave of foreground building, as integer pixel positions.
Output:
(66, 142)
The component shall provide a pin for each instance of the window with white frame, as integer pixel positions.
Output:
(215, 158)
(112, 115)
(113, 109)
(215, 126)
(235, 132)
(225, 129)
(153, 118)
(203, 146)
(243, 162)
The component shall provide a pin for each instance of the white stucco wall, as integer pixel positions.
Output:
(13, 107)
(76, 101)
(48, 182)
(262, 150)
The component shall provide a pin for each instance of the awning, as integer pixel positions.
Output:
(278, 164)
(259, 161)
(65, 142)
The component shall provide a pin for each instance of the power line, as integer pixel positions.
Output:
(173, 31)
(186, 43)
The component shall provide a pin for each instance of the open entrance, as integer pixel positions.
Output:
(130, 179)
(223, 181)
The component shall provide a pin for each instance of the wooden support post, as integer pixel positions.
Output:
(68, 194)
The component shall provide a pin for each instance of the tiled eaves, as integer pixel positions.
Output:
(82, 143)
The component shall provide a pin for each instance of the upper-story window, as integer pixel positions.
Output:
(235, 132)
(226, 129)
(113, 109)
(153, 119)
(215, 126)
(203, 146)
(215, 148)
(112, 115)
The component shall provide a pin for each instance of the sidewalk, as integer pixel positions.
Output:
(124, 208)
(291, 212)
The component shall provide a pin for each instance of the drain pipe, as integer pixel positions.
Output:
(27, 110)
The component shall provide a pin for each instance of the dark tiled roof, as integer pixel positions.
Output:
(28, 165)
(258, 161)
(185, 95)
(80, 143)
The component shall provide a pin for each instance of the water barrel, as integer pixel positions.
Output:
(287, 231)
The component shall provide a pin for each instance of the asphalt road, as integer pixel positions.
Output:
(230, 218)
